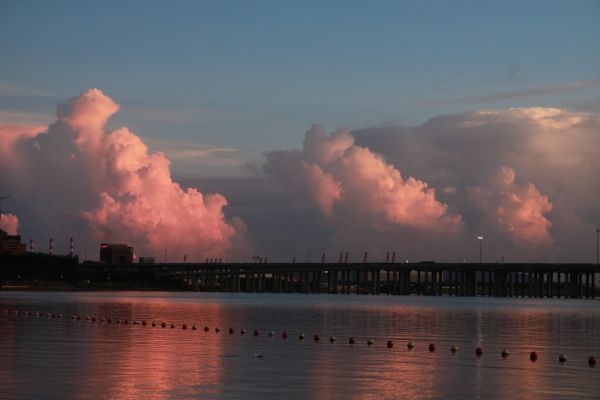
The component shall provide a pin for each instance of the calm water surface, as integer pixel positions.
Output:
(42, 358)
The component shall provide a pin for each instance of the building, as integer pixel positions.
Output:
(11, 244)
(116, 253)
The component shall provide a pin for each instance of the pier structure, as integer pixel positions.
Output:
(426, 279)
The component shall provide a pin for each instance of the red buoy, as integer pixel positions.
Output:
(390, 344)
(172, 326)
(164, 324)
(284, 335)
(533, 356)
(592, 361)
(206, 329)
(351, 340)
(231, 331)
(431, 347)
(478, 351)
(317, 338)
(184, 326)
(256, 332)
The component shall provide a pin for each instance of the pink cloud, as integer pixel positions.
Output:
(347, 182)
(111, 182)
(517, 210)
(9, 223)
(11, 135)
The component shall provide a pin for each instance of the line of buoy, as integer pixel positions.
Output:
(533, 356)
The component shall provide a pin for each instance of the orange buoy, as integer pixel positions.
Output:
(243, 332)
(332, 339)
(454, 348)
(164, 325)
(144, 323)
(505, 353)
(351, 340)
(592, 361)
(390, 344)
(431, 347)
(194, 327)
(271, 333)
(256, 332)
(284, 335)
(479, 351)
(370, 342)
(184, 326)
(153, 324)
(172, 326)
(217, 329)
(316, 338)
(533, 356)
(562, 358)
(301, 336)
(206, 329)
(231, 331)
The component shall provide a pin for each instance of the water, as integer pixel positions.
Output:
(69, 359)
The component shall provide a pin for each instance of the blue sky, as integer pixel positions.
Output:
(245, 77)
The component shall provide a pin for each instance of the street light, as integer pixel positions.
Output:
(480, 238)
(597, 231)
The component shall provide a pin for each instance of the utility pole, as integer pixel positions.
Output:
(480, 238)
(597, 232)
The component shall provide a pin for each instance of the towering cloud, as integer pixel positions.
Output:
(542, 193)
(518, 211)
(349, 183)
(9, 223)
(89, 179)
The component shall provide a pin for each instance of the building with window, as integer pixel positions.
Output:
(11, 244)
(116, 253)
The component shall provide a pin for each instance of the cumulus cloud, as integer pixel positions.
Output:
(9, 223)
(82, 178)
(516, 210)
(349, 182)
(555, 153)
(360, 195)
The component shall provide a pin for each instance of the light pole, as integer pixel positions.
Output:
(480, 238)
(597, 231)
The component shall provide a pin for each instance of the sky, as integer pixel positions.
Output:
(221, 88)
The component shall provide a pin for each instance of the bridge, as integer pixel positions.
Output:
(425, 278)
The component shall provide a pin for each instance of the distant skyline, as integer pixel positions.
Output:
(278, 128)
